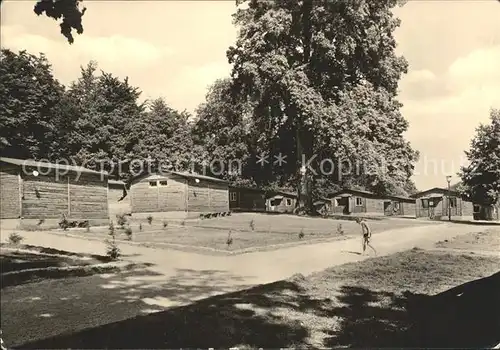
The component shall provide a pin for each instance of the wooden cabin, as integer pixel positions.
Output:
(178, 194)
(40, 191)
(352, 202)
(281, 202)
(246, 199)
(118, 198)
(434, 204)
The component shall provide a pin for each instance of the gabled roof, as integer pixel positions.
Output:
(252, 189)
(46, 165)
(435, 189)
(182, 174)
(363, 193)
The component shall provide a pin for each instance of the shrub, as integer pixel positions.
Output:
(112, 250)
(183, 223)
(301, 234)
(40, 223)
(140, 227)
(229, 240)
(340, 230)
(64, 223)
(165, 224)
(121, 220)
(15, 238)
(150, 219)
(252, 225)
(128, 232)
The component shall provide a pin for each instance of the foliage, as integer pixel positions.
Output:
(15, 238)
(165, 223)
(150, 219)
(64, 223)
(140, 227)
(323, 76)
(340, 230)
(481, 178)
(128, 232)
(229, 240)
(252, 225)
(29, 98)
(121, 220)
(301, 233)
(112, 249)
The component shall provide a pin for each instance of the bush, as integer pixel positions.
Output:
(252, 225)
(128, 232)
(121, 220)
(183, 223)
(229, 240)
(112, 250)
(64, 223)
(40, 223)
(165, 224)
(140, 227)
(15, 238)
(301, 234)
(150, 219)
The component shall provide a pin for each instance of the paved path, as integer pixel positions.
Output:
(262, 267)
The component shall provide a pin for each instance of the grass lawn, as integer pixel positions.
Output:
(488, 240)
(412, 299)
(268, 230)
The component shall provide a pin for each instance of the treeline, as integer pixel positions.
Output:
(310, 81)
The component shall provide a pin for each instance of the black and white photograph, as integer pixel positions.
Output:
(250, 174)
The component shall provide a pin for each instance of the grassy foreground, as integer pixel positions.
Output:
(412, 299)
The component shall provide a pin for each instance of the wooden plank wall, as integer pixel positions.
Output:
(144, 198)
(115, 205)
(172, 197)
(44, 196)
(219, 198)
(198, 196)
(88, 197)
(10, 202)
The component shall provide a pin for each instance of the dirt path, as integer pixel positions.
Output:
(267, 266)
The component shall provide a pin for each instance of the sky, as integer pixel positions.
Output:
(176, 49)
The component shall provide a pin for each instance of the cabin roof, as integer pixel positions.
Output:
(434, 190)
(182, 174)
(46, 165)
(363, 193)
(116, 182)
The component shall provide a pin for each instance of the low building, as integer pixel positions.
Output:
(245, 199)
(439, 203)
(40, 191)
(178, 194)
(352, 202)
(281, 202)
(118, 198)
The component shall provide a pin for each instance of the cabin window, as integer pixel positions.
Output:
(275, 202)
(425, 203)
(288, 202)
(153, 183)
(232, 196)
(453, 202)
(359, 201)
(163, 183)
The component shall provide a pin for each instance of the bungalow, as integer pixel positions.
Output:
(281, 202)
(438, 203)
(38, 191)
(350, 201)
(178, 194)
(118, 198)
(246, 199)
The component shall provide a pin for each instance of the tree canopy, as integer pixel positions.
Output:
(68, 11)
(481, 178)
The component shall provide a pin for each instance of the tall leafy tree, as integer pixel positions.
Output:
(30, 96)
(481, 178)
(107, 112)
(327, 73)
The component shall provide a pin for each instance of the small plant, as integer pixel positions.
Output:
(340, 230)
(165, 224)
(64, 223)
(87, 229)
(128, 232)
(40, 223)
(150, 219)
(140, 227)
(15, 238)
(112, 250)
(252, 225)
(183, 223)
(121, 220)
(229, 240)
(301, 234)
